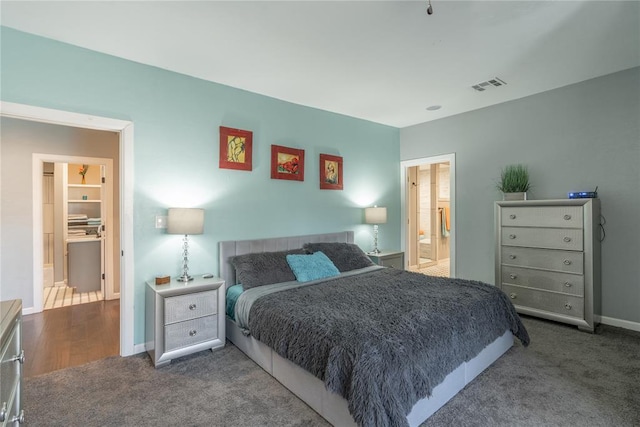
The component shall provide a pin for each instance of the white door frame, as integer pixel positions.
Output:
(404, 192)
(125, 129)
(37, 168)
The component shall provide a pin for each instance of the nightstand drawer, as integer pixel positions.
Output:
(189, 332)
(553, 238)
(190, 306)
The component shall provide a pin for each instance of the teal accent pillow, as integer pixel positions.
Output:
(312, 267)
(233, 292)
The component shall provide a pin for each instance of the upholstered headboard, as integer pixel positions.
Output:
(232, 248)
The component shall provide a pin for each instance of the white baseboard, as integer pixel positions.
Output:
(139, 348)
(626, 324)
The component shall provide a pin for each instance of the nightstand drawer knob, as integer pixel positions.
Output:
(513, 295)
(192, 333)
(567, 262)
(567, 306)
(567, 284)
(512, 216)
(18, 418)
(192, 306)
(567, 217)
(3, 412)
(512, 256)
(567, 239)
(513, 276)
(512, 236)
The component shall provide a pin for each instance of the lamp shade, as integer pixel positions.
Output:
(375, 215)
(185, 221)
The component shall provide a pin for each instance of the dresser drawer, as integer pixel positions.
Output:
(566, 305)
(548, 259)
(572, 284)
(552, 238)
(189, 332)
(542, 216)
(10, 369)
(190, 306)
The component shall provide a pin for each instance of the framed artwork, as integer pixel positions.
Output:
(236, 147)
(330, 172)
(287, 163)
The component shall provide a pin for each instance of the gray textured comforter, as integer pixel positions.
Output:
(383, 339)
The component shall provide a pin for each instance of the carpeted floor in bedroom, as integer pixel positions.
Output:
(564, 378)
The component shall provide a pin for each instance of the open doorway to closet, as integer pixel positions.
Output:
(429, 200)
(78, 246)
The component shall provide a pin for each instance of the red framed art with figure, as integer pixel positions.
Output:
(236, 148)
(330, 172)
(287, 163)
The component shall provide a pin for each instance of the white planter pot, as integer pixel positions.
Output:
(514, 196)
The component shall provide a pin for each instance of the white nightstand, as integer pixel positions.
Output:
(183, 318)
(388, 259)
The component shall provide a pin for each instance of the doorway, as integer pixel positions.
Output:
(80, 231)
(428, 208)
(125, 251)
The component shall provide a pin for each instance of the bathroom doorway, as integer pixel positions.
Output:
(77, 212)
(429, 192)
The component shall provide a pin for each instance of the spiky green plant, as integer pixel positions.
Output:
(514, 179)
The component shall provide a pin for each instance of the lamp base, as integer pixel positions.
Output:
(185, 278)
(376, 251)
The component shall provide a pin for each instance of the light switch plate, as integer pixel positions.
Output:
(161, 221)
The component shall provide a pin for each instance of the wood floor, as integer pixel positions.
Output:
(70, 336)
(63, 296)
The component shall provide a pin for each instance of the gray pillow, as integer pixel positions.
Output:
(345, 256)
(263, 268)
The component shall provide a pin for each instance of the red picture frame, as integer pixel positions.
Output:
(236, 149)
(331, 172)
(287, 163)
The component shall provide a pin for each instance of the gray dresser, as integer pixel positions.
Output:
(12, 358)
(548, 258)
(183, 317)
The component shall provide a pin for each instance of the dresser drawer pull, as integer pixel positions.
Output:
(567, 217)
(18, 358)
(512, 236)
(513, 295)
(193, 333)
(18, 419)
(513, 276)
(567, 239)
(3, 412)
(512, 216)
(567, 306)
(512, 256)
(567, 284)
(567, 262)
(192, 306)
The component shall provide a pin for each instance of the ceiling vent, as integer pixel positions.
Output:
(495, 82)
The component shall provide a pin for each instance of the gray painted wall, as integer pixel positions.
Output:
(20, 139)
(572, 138)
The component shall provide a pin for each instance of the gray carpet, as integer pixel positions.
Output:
(564, 378)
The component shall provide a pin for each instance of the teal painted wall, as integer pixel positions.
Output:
(176, 120)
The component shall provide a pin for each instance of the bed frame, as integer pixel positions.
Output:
(309, 388)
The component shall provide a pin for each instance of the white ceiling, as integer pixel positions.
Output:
(383, 61)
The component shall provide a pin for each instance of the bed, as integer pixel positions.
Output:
(373, 361)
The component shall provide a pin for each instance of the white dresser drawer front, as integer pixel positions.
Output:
(542, 216)
(572, 284)
(190, 332)
(190, 306)
(548, 259)
(9, 369)
(552, 238)
(566, 305)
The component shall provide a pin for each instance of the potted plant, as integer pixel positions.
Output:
(514, 182)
